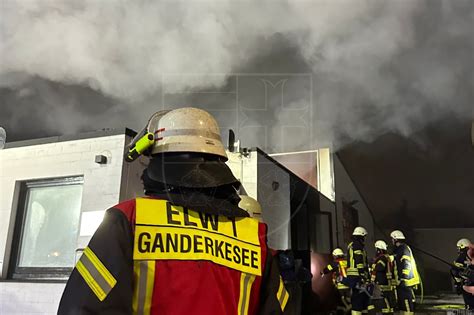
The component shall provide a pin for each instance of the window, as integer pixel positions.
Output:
(46, 228)
(350, 219)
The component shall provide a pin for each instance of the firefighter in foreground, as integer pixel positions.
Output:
(187, 248)
(407, 273)
(461, 264)
(382, 277)
(358, 272)
(338, 269)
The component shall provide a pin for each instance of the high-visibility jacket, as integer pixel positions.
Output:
(406, 266)
(357, 264)
(152, 257)
(338, 270)
(382, 272)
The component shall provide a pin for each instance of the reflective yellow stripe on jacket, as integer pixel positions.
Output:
(144, 279)
(95, 274)
(246, 282)
(356, 269)
(282, 295)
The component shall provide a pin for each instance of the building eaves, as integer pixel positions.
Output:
(80, 136)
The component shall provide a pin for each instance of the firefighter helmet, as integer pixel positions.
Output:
(463, 243)
(359, 231)
(185, 129)
(251, 205)
(397, 235)
(337, 252)
(380, 244)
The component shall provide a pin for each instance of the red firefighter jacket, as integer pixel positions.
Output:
(151, 257)
(382, 272)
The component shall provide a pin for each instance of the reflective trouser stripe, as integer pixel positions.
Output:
(407, 305)
(144, 280)
(387, 308)
(282, 295)
(246, 281)
(96, 275)
(356, 313)
(346, 302)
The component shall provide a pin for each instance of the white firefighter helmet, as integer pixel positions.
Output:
(252, 206)
(463, 243)
(397, 235)
(186, 129)
(360, 231)
(337, 252)
(380, 244)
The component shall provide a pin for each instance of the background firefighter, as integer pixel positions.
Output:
(382, 276)
(358, 272)
(407, 273)
(134, 264)
(338, 270)
(461, 264)
(468, 273)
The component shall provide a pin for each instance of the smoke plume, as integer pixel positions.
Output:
(287, 75)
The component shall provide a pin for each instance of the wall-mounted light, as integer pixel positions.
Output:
(101, 159)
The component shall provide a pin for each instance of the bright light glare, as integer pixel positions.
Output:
(90, 222)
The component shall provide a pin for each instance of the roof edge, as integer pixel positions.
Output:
(85, 135)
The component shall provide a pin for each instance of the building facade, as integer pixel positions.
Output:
(55, 192)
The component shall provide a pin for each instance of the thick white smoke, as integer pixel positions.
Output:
(377, 65)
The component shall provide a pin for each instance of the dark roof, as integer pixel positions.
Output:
(84, 135)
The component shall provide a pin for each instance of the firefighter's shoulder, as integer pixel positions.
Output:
(127, 208)
(357, 246)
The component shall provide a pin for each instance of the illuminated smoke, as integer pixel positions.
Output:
(376, 66)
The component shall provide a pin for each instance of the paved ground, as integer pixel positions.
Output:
(442, 304)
